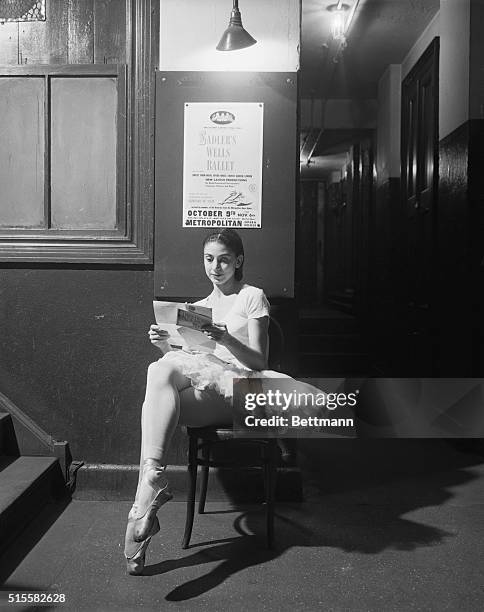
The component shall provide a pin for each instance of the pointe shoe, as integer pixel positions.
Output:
(154, 486)
(135, 552)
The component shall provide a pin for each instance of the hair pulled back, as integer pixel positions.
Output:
(231, 239)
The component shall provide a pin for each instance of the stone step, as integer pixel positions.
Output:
(5, 421)
(8, 438)
(26, 485)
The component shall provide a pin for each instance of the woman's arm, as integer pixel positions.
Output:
(159, 338)
(252, 356)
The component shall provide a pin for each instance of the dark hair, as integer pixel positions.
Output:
(232, 241)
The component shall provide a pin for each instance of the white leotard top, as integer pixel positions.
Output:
(235, 311)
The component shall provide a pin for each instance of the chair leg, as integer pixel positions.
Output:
(192, 475)
(270, 469)
(203, 491)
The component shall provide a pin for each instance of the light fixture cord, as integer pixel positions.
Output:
(351, 15)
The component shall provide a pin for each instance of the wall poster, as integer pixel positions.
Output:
(222, 164)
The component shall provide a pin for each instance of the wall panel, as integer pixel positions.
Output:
(80, 36)
(74, 32)
(8, 43)
(83, 153)
(109, 31)
(22, 152)
(45, 42)
(269, 250)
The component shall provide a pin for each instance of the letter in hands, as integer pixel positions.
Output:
(217, 332)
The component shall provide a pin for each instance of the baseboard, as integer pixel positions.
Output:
(118, 482)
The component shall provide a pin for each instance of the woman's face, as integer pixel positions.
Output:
(220, 263)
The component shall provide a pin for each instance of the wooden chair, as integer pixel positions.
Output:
(203, 439)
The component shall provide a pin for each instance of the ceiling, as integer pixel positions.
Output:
(381, 33)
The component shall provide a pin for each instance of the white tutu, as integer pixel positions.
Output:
(206, 371)
(272, 393)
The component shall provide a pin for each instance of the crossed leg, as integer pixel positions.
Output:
(171, 400)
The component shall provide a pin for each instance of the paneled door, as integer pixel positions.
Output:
(419, 172)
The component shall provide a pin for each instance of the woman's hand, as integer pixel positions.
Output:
(159, 338)
(254, 356)
(217, 332)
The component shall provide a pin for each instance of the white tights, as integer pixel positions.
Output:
(171, 400)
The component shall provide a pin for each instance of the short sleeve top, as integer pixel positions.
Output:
(235, 311)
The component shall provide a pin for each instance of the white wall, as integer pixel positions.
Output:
(338, 114)
(191, 29)
(454, 65)
(388, 132)
(461, 74)
(424, 40)
(476, 89)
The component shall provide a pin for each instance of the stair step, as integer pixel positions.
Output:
(5, 420)
(26, 485)
(8, 438)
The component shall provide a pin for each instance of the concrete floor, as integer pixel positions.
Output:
(413, 542)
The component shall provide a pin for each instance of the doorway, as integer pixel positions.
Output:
(419, 173)
(336, 195)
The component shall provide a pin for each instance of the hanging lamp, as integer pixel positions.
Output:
(235, 36)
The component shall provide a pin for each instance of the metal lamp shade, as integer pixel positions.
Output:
(235, 37)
